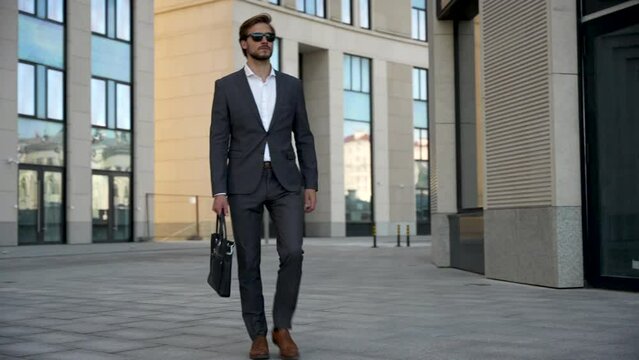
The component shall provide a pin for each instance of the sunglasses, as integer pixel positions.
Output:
(258, 36)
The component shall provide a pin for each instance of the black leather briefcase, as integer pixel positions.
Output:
(221, 259)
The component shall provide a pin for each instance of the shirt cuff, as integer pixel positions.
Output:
(218, 194)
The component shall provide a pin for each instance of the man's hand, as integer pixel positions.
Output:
(310, 200)
(221, 205)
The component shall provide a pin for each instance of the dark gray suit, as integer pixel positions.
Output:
(237, 142)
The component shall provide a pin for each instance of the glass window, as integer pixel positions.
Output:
(111, 150)
(98, 102)
(123, 19)
(347, 72)
(110, 99)
(41, 91)
(98, 16)
(356, 73)
(40, 142)
(110, 59)
(41, 41)
(55, 10)
(366, 76)
(276, 2)
(311, 7)
(357, 106)
(346, 12)
(27, 6)
(26, 89)
(55, 94)
(364, 14)
(418, 20)
(421, 174)
(420, 115)
(123, 106)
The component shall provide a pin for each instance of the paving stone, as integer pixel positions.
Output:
(29, 348)
(77, 355)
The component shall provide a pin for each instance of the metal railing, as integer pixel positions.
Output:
(180, 217)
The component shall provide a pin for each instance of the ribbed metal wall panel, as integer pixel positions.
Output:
(517, 103)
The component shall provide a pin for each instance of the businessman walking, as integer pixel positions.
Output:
(253, 165)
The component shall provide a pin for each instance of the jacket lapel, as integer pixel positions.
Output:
(279, 92)
(245, 91)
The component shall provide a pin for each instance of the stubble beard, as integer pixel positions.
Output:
(257, 56)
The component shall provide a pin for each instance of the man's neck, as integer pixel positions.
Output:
(261, 68)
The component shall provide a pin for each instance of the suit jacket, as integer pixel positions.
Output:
(238, 137)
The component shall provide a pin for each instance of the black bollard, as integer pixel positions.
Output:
(407, 235)
(374, 236)
(398, 235)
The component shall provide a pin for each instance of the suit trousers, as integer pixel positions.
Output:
(287, 211)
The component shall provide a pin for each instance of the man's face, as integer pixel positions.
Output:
(259, 50)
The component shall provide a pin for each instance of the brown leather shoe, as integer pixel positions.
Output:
(259, 349)
(288, 348)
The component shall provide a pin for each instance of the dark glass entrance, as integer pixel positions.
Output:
(40, 205)
(111, 211)
(611, 114)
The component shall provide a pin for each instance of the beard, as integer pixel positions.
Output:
(257, 55)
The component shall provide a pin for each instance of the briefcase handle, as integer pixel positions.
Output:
(220, 229)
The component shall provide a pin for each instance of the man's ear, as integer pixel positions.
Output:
(244, 44)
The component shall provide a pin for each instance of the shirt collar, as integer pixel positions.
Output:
(249, 72)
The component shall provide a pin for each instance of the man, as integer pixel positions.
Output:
(255, 110)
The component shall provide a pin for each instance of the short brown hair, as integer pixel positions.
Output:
(257, 19)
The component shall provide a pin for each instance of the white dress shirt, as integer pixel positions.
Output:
(264, 93)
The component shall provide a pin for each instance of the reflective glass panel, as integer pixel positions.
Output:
(123, 20)
(28, 207)
(55, 10)
(41, 91)
(310, 7)
(98, 16)
(55, 94)
(346, 11)
(27, 6)
(357, 171)
(100, 207)
(26, 89)
(320, 8)
(420, 114)
(299, 5)
(52, 196)
(366, 75)
(356, 66)
(347, 72)
(111, 150)
(420, 4)
(364, 20)
(111, 18)
(357, 106)
(40, 142)
(123, 105)
(40, 41)
(98, 102)
(421, 21)
(111, 109)
(121, 208)
(421, 174)
(423, 81)
(110, 59)
(276, 2)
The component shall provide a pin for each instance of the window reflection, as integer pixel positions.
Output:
(123, 105)
(357, 140)
(346, 12)
(110, 58)
(364, 14)
(40, 142)
(27, 6)
(111, 150)
(55, 95)
(418, 20)
(98, 102)
(41, 41)
(98, 16)
(123, 19)
(26, 89)
(275, 57)
(311, 7)
(55, 10)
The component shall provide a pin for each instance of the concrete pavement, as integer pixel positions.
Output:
(151, 301)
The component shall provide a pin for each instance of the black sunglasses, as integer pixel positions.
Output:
(258, 36)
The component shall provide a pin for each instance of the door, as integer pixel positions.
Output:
(611, 80)
(40, 206)
(111, 213)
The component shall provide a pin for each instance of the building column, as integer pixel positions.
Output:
(9, 123)
(398, 158)
(380, 146)
(290, 57)
(441, 112)
(143, 119)
(78, 121)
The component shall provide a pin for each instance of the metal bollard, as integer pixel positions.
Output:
(374, 236)
(407, 235)
(398, 235)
